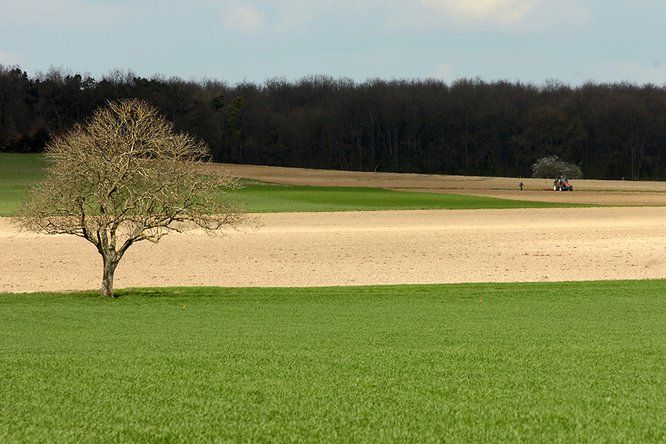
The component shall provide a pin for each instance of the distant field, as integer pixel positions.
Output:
(467, 363)
(18, 171)
(587, 191)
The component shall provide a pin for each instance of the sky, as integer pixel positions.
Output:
(535, 41)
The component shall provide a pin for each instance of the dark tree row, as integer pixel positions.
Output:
(427, 126)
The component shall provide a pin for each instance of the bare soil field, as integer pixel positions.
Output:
(362, 248)
(597, 192)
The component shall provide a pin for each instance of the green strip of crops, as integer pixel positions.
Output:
(278, 198)
(565, 362)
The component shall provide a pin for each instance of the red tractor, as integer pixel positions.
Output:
(562, 184)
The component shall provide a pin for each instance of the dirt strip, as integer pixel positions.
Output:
(362, 248)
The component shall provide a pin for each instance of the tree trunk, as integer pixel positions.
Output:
(107, 278)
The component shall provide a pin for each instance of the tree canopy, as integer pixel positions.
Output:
(428, 126)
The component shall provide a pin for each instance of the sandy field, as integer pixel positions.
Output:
(362, 248)
(598, 192)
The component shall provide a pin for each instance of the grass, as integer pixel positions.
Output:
(18, 171)
(566, 362)
(282, 198)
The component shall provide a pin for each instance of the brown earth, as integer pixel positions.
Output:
(362, 248)
(597, 192)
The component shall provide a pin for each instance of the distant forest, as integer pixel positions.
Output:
(467, 127)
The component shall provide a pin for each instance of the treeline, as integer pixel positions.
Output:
(468, 127)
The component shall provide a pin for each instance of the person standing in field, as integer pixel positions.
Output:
(521, 185)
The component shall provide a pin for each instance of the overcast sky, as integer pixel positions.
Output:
(233, 40)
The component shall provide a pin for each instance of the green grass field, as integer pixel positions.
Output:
(18, 171)
(569, 362)
(279, 198)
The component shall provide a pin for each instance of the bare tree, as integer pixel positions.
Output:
(126, 176)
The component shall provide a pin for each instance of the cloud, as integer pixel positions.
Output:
(244, 18)
(60, 12)
(506, 15)
(9, 58)
(432, 14)
(504, 12)
(252, 17)
(257, 16)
